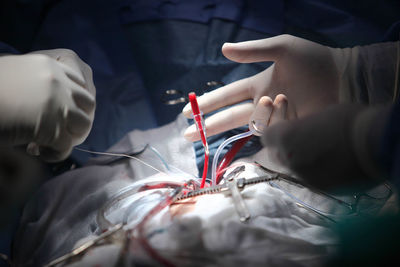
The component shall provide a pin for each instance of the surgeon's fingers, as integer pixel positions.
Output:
(72, 60)
(223, 121)
(224, 96)
(72, 74)
(58, 150)
(280, 109)
(82, 98)
(269, 49)
(78, 122)
(261, 115)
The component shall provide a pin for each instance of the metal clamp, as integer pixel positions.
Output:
(232, 187)
(87, 245)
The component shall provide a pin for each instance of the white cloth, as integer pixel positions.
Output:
(207, 233)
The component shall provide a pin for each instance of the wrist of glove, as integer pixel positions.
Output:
(367, 73)
(335, 148)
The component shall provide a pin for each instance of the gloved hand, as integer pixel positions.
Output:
(71, 59)
(336, 147)
(307, 73)
(46, 99)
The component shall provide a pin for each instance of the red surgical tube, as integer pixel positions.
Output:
(227, 159)
(198, 118)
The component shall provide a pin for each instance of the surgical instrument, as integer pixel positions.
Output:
(199, 120)
(232, 187)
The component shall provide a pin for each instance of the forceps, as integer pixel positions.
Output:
(174, 96)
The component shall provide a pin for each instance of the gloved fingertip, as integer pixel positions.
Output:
(266, 101)
(227, 44)
(230, 51)
(191, 134)
(280, 98)
(259, 118)
(187, 111)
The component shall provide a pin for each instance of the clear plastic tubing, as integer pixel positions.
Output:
(222, 146)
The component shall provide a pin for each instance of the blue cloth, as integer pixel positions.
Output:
(341, 23)
(393, 33)
(7, 49)
(135, 63)
(263, 16)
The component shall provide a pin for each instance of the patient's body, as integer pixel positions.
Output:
(288, 224)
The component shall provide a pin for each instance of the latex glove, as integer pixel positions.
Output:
(336, 147)
(71, 59)
(44, 101)
(305, 72)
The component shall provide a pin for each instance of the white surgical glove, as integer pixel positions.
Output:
(340, 146)
(303, 71)
(47, 98)
(310, 76)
